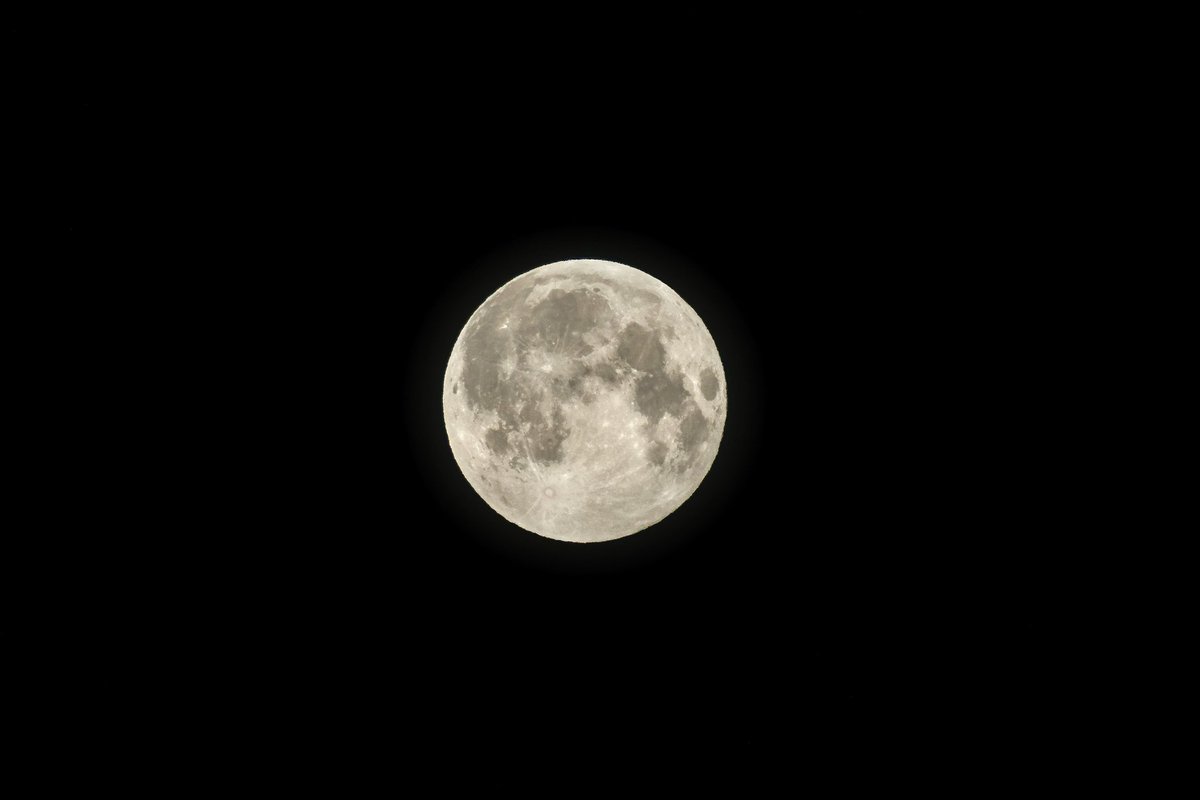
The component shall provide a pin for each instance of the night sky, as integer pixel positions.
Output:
(295, 258)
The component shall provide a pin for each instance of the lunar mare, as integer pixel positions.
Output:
(584, 400)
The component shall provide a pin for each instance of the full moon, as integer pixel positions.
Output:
(584, 400)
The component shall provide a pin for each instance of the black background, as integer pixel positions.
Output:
(295, 251)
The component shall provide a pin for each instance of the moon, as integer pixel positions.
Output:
(584, 400)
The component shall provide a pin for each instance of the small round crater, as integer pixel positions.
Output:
(549, 492)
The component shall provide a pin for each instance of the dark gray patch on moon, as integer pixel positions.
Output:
(655, 392)
(559, 321)
(569, 386)
(605, 372)
(659, 394)
(693, 430)
(497, 441)
(545, 439)
(485, 348)
(709, 385)
(531, 414)
(491, 391)
(657, 454)
(641, 348)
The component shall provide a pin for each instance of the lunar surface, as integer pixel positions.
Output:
(584, 400)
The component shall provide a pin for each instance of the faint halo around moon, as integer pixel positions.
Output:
(584, 400)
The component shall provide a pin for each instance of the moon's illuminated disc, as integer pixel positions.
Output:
(584, 400)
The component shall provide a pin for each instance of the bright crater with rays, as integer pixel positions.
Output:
(584, 400)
